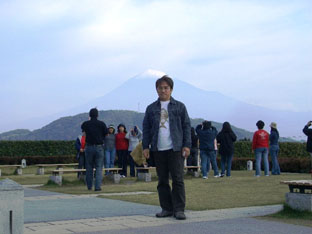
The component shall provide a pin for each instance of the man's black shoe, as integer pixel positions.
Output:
(99, 189)
(164, 213)
(179, 215)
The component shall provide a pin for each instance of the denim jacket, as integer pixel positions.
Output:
(179, 123)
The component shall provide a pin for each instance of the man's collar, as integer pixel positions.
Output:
(172, 100)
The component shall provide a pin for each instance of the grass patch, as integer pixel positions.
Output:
(289, 215)
(240, 190)
(289, 212)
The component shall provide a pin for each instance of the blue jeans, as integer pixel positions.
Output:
(94, 159)
(226, 160)
(109, 158)
(274, 154)
(262, 153)
(206, 156)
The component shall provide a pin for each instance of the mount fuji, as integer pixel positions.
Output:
(138, 92)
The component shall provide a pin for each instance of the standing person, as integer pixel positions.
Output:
(134, 137)
(274, 148)
(122, 145)
(110, 148)
(192, 159)
(95, 132)
(207, 135)
(80, 145)
(308, 132)
(167, 129)
(260, 145)
(226, 139)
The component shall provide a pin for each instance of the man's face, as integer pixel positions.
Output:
(164, 91)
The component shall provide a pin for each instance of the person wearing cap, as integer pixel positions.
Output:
(308, 132)
(96, 131)
(260, 146)
(109, 148)
(274, 149)
(122, 145)
(167, 134)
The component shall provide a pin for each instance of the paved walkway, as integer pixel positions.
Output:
(47, 213)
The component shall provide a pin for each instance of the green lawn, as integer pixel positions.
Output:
(241, 190)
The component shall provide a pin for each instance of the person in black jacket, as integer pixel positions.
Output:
(95, 131)
(226, 139)
(308, 132)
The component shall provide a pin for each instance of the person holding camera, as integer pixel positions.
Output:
(308, 132)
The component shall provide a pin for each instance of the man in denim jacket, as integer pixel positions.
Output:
(167, 133)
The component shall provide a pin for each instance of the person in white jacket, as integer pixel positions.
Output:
(134, 136)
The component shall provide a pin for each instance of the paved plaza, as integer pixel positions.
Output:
(55, 213)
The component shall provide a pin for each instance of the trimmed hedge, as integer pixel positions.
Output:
(298, 165)
(36, 148)
(48, 148)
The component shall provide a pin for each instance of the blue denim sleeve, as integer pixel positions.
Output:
(147, 125)
(186, 124)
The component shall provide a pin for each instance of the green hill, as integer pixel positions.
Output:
(68, 128)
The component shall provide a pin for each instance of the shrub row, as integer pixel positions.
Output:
(298, 165)
(34, 148)
(48, 148)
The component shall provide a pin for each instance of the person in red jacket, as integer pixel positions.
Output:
(260, 146)
(122, 145)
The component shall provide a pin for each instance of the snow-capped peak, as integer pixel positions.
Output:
(150, 74)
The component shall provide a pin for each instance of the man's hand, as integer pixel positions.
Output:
(185, 152)
(146, 153)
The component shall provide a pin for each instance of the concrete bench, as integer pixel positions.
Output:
(300, 195)
(18, 171)
(57, 174)
(144, 173)
(194, 172)
(40, 170)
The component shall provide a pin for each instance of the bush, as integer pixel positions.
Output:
(298, 165)
(33, 148)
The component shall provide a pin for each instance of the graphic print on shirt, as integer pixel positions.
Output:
(164, 117)
(262, 135)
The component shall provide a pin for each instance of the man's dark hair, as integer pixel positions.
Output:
(166, 79)
(260, 124)
(207, 124)
(93, 113)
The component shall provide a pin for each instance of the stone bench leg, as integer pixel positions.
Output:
(40, 171)
(147, 177)
(0, 172)
(19, 171)
(56, 179)
(115, 178)
(60, 168)
(299, 201)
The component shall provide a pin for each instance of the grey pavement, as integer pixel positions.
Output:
(46, 213)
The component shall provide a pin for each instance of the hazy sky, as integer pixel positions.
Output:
(60, 53)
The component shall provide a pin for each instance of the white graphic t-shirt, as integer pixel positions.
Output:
(164, 137)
